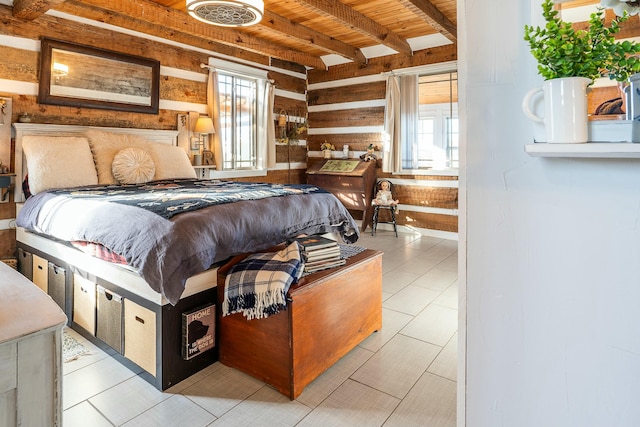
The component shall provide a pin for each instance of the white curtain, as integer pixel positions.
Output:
(409, 120)
(266, 127)
(213, 110)
(391, 132)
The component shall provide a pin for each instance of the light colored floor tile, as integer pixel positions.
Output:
(411, 299)
(85, 383)
(449, 298)
(268, 408)
(432, 403)
(395, 280)
(177, 411)
(392, 322)
(397, 366)
(331, 379)
(352, 404)
(450, 263)
(419, 265)
(188, 382)
(435, 325)
(436, 279)
(222, 390)
(128, 400)
(424, 243)
(386, 295)
(83, 415)
(446, 363)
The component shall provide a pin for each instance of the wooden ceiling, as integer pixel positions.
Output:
(312, 33)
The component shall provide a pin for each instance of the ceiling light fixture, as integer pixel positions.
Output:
(227, 13)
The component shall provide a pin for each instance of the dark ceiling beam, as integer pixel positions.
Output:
(351, 18)
(428, 12)
(310, 37)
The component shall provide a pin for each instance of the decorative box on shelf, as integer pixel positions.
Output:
(614, 131)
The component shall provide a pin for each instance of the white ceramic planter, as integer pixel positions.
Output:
(565, 109)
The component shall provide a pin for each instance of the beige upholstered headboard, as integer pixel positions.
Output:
(23, 129)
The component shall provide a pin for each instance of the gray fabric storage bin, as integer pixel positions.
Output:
(109, 318)
(25, 263)
(57, 284)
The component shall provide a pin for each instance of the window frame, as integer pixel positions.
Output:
(261, 77)
(441, 68)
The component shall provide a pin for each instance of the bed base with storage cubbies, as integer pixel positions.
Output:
(137, 328)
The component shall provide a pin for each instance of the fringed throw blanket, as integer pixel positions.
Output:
(257, 286)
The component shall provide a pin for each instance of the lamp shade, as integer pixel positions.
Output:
(204, 125)
(227, 13)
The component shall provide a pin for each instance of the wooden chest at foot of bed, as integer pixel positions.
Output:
(328, 314)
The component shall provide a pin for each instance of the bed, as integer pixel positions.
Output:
(100, 190)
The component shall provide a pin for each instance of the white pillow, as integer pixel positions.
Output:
(58, 162)
(105, 145)
(172, 162)
(133, 166)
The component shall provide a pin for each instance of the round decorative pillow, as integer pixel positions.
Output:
(133, 166)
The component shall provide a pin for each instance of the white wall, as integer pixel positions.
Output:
(552, 251)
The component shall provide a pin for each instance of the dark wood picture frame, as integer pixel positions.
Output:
(82, 76)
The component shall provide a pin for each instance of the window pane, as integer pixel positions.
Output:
(438, 124)
(238, 112)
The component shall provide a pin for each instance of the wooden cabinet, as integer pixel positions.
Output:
(30, 353)
(354, 188)
(328, 314)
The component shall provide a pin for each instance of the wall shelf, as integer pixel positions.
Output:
(594, 150)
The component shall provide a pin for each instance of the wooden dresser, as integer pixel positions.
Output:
(328, 314)
(30, 353)
(354, 188)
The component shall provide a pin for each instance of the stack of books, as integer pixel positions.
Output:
(319, 253)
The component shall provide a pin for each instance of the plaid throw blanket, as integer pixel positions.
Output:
(257, 286)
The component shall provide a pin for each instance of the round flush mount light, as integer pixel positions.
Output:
(227, 13)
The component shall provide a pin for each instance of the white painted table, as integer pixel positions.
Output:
(30, 353)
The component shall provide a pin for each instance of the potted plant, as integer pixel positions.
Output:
(327, 148)
(569, 60)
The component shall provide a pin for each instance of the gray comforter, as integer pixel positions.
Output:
(167, 252)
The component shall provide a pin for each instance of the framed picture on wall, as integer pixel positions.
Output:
(82, 76)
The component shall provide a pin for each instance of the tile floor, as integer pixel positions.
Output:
(403, 375)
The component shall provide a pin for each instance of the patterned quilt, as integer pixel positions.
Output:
(171, 197)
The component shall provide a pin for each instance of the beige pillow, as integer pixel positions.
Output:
(58, 162)
(105, 145)
(133, 166)
(171, 161)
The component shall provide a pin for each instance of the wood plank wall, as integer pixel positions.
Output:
(346, 106)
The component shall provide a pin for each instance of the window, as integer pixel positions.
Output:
(436, 145)
(238, 120)
(245, 99)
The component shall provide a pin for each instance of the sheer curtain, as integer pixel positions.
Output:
(213, 110)
(390, 136)
(266, 127)
(400, 123)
